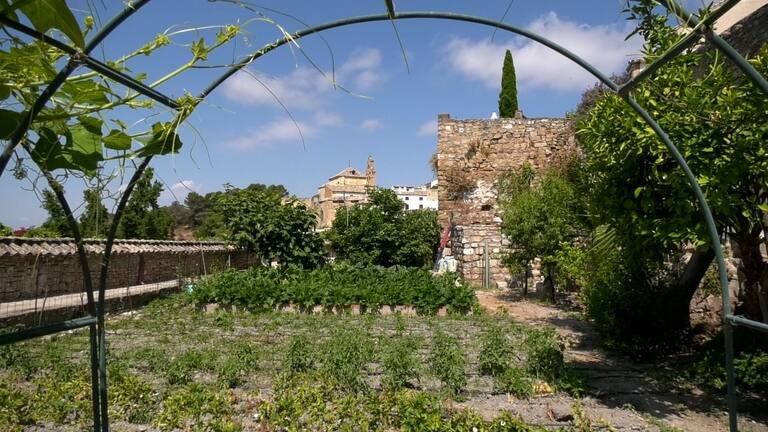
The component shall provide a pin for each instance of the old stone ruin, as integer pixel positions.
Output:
(471, 155)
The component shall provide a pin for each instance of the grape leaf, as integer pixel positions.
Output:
(53, 14)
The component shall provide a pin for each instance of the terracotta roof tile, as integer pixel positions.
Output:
(20, 246)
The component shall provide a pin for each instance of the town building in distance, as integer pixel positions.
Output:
(418, 197)
(347, 188)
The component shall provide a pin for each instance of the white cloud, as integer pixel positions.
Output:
(371, 124)
(179, 191)
(281, 130)
(537, 66)
(326, 118)
(305, 88)
(428, 129)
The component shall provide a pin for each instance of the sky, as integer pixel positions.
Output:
(241, 134)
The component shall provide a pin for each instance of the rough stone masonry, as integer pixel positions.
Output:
(471, 155)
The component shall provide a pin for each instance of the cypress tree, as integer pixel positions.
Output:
(508, 95)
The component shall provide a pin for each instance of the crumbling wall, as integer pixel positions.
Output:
(471, 155)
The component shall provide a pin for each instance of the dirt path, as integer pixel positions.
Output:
(621, 393)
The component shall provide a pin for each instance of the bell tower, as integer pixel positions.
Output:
(370, 173)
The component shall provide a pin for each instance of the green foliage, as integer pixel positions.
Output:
(307, 402)
(538, 218)
(750, 363)
(56, 225)
(300, 356)
(345, 359)
(633, 182)
(508, 105)
(382, 232)
(400, 362)
(544, 352)
(131, 398)
(496, 351)
(198, 408)
(143, 218)
(515, 381)
(448, 362)
(95, 218)
(337, 287)
(259, 222)
(5, 231)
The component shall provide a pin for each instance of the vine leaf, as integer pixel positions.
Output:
(85, 145)
(49, 153)
(117, 140)
(49, 14)
(161, 140)
(9, 121)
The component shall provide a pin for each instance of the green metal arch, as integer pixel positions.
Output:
(704, 207)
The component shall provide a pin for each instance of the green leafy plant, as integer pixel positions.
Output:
(198, 407)
(345, 359)
(448, 362)
(300, 356)
(496, 352)
(400, 362)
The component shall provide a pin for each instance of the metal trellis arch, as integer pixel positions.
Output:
(94, 319)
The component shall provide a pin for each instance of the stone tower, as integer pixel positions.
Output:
(370, 172)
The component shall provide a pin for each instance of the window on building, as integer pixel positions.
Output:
(421, 198)
(406, 198)
(421, 206)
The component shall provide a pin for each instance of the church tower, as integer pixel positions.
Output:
(370, 173)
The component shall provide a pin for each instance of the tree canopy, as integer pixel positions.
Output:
(382, 232)
(259, 221)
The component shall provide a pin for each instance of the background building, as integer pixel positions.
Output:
(418, 197)
(349, 187)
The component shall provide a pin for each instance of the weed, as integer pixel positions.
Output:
(240, 358)
(130, 397)
(448, 362)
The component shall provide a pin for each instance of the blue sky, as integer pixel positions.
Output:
(240, 135)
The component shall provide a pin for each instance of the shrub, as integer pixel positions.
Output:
(400, 362)
(448, 362)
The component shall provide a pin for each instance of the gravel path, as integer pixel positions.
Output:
(620, 393)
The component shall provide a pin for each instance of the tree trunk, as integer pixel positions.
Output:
(753, 277)
(694, 272)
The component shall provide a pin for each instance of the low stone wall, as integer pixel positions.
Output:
(37, 268)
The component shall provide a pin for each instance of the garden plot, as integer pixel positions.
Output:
(174, 365)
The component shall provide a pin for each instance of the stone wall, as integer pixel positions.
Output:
(32, 269)
(749, 35)
(471, 155)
